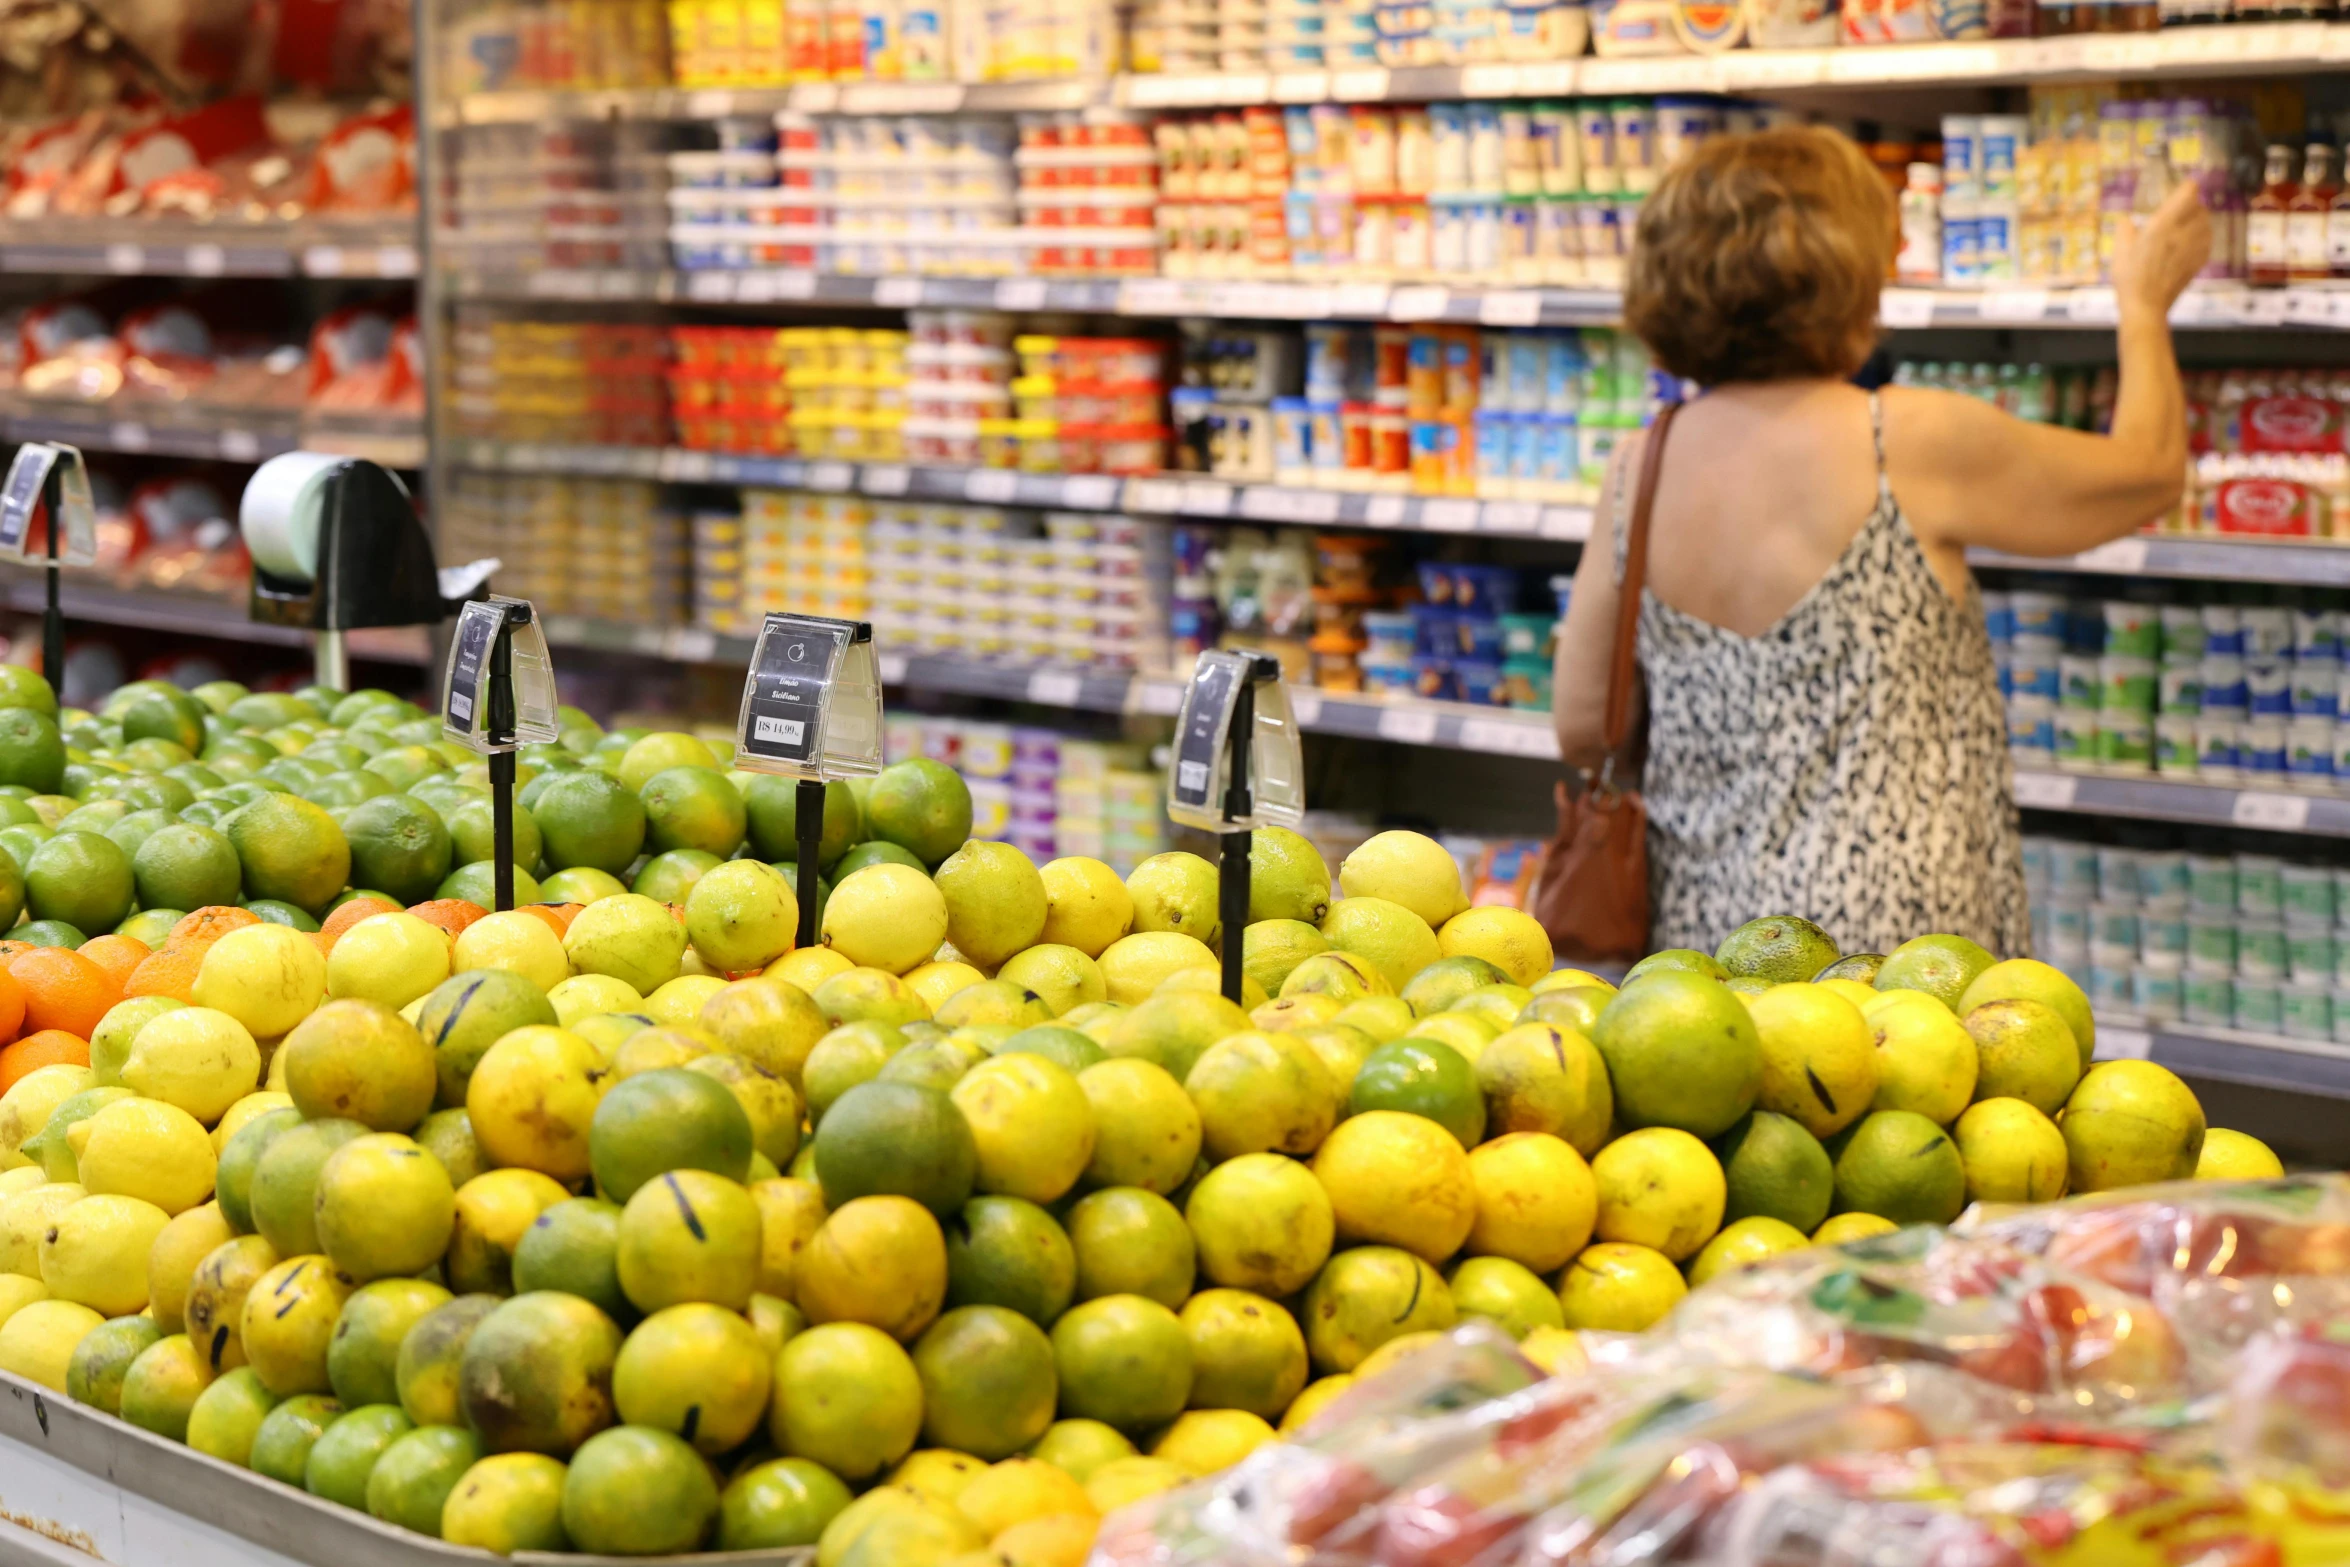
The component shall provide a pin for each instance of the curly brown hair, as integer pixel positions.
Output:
(1760, 256)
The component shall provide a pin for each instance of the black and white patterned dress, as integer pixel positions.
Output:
(1848, 765)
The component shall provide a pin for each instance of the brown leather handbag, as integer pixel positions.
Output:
(1592, 896)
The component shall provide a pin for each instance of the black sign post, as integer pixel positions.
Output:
(811, 711)
(481, 707)
(50, 478)
(1213, 782)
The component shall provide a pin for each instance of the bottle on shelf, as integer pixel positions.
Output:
(2265, 258)
(2308, 217)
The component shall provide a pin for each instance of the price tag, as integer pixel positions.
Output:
(1089, 492)
(2092, 307)
(897, 293)
(1235, 700)
(1448, 516)
(615, 285)
(1301, 86)
(1570, 523)
(2274, 812)
(829, 476)
(1205, 498)
(126, 258)
(1504, 738)
(1020, 293)
(206, 261)
(2045, 791)
(396, 261)
(690, 467)
(892, 668)
(2266, 307)
(709, 286)
(323, 261)
(811, 703)
(887, 478)
(2122, 556)
(1055, 688)
(1385, 511)
(1306, 706)
(2123, 1044)
(709, 104)
(468, 709)
(22, 494)
(1364, 300)
(797, 285)
(1158, 696)
(1511, 307)
(1905, 309)
(994, 486)
(1363, 86)
(125, 436)
(1417, 304)
(240, 446)
(1489, 81)
(1276, 505)
(1154, 497)
(1151, 297)
(1407, 725)
(2015, 304)
(1550, 78)
(1510, 517)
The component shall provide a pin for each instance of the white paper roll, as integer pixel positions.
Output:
(280, 512)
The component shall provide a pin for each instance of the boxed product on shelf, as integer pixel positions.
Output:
(774, 43)
(606, 549)
(2219, 686)
(1353, 613)
(1093, 174)
(567, 193)
(505, 45)
(516, 378)
(2195, 930)
(1527, 192)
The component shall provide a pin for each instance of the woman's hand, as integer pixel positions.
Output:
(2154, 260)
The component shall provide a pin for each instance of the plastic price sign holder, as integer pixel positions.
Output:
(497, 696)
(1237, 767)
(49, 477)
(811, 711)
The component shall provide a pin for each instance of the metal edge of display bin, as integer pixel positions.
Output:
(2226, 1055)
(124, 1480)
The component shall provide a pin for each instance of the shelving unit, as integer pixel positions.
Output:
(322, 248)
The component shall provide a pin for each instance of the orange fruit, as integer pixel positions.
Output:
(450, 914)
(119, 956)
(546, 912)
(171, 972)
(63, 989)
(9, 949)
(349, 915)
(11, 1006)
(561, 913)
(50, 1047)
(210, 923)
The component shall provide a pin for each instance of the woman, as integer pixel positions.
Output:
(1825, 732)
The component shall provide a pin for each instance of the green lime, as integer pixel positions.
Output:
(22, 687)
(136, 828)
(398, 844)
(21, 839)
(32, 753)
(80, 878)
(340, 791)
(874, 852)
(291, 850)
(272, 912)
(773, 804)
(477, 883)
(176, 717)
(668, 877)
(472, 834)
(47, 933)
(405, 765)
(920, 805)
(692, 807)
(218, 695)
(1423, 1077)
(186, 866)
(587, 818)
(155, 792)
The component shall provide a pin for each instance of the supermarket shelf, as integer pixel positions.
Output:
(1155, 497)
(2265, 49)
(2150, 798)
(24, 590)
(2259, 1060)
(1449, 725)
(225, 434)
(131, 247)
(2216, 308)
(2215, 560)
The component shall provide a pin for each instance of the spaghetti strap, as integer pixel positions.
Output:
(1877, 438)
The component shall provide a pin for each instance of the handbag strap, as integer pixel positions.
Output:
(1624, 663)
